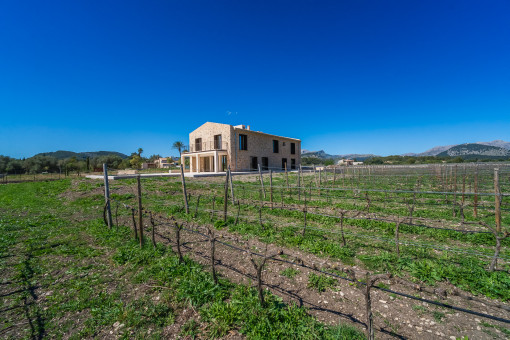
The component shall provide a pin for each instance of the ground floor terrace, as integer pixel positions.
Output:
(206, 161)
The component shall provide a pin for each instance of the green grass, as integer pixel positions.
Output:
(289, 272)
(321, 282)
(103, 279)
(190, 329)
(420, 309)
(438, 316)
(419, 263)
(505, 331)
(276, 321)
(423, 264)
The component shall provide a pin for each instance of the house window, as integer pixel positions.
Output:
(224, 163)
(254, 163)
(243, 142)
(293, 164)
(198, 144)
(292, 148)
(284, 163)
(217, 142)
(275, 146)
(265, 163)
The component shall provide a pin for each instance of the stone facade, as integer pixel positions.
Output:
(208, 153)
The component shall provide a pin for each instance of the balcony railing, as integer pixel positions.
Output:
(207, 146)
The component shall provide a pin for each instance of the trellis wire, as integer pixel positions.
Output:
(468, 311)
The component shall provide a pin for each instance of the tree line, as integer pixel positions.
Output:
(41, 163)
(403, 160)
(50, 164)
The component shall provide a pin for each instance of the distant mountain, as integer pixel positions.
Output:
(318, 154)
(435, 151)
(356, 156)
(81, 155)
(499, 143)
(494, 149)
(323, 155)
(474, 150)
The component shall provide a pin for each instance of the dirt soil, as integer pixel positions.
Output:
(394, 316)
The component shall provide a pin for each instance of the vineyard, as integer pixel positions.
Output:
(429, 242)
(418, 252)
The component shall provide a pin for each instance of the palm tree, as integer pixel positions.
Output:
(179, 146)
(140, 151)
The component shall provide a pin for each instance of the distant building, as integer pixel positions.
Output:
(345, 162)
(213, 147)
(146, 165)
(164, 162)
(160, 163)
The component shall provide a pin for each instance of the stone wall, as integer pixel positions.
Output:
(259, 145)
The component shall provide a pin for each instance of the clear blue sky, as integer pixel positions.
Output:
(383, 77)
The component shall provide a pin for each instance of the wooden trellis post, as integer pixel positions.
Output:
(475, 198)
(212, 244)
(140, 211)
(225, 198)
(153, 231)
(299, 181)
(135, 232)
(497, 200)
(262, 182)
(286, 176)
(231, 185)
(455, 192)
(184, 190)
(271, 187)
(107, 196)
(304, 217)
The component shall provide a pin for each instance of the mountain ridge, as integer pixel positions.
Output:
(475, 150)
(323, 155)
(63, 154)
(440, 150)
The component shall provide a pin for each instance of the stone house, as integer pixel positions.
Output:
(213, 147)
(345, 162)
(164, 162)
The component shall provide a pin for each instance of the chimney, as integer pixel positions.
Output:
(248, 127)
